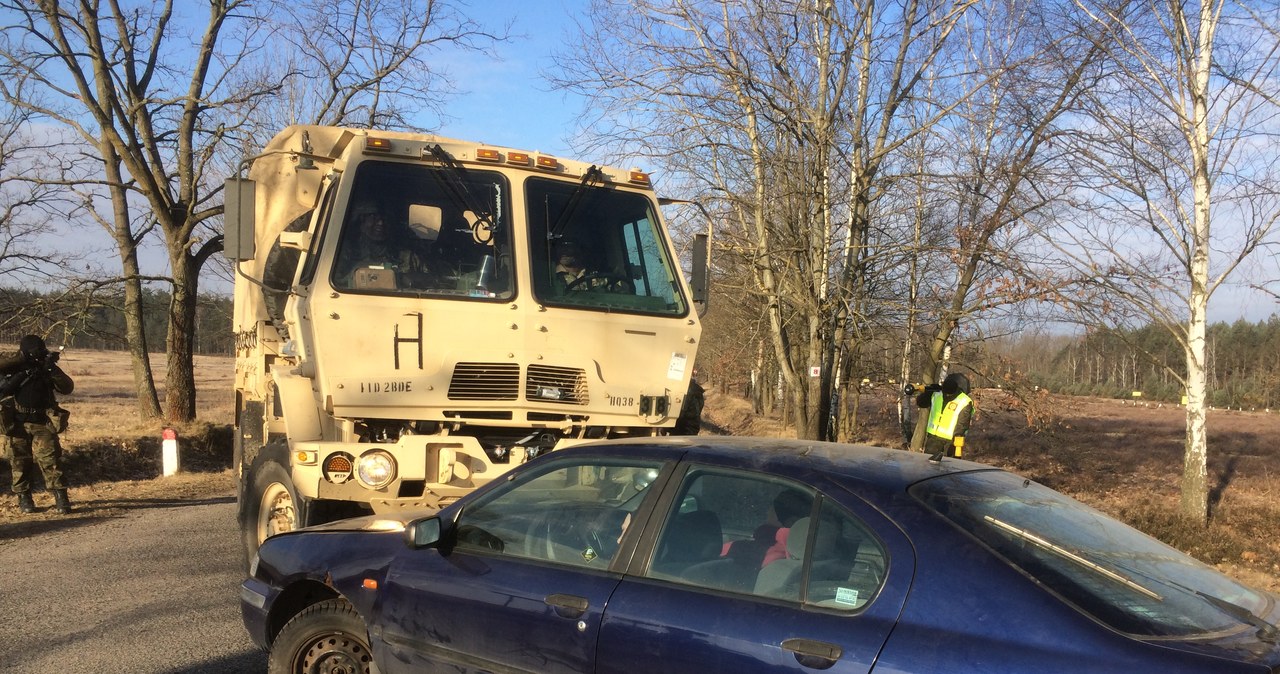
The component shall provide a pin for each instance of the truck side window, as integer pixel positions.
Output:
(309, 264)
(279, 269)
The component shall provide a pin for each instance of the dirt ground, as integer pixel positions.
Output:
(1122, 458)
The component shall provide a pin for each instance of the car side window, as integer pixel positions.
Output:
(570, 513)
(728, 528)
(759, 535)
(847, 562)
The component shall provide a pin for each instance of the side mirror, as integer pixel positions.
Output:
(701, 282)
(239, 198)
(422, 533)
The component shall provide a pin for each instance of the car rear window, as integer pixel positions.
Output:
(1109, 570)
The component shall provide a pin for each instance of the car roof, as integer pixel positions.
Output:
(885, 468)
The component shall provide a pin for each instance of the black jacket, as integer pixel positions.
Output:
(41, 388)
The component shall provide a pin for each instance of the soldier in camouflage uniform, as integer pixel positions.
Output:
(31, 419)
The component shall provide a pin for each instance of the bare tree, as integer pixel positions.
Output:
(366, 63)
(785, 112)
(1182, 190)
(29, 266)
(165, 115)
(1004, 170)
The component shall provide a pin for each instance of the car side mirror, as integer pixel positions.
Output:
(422, 533)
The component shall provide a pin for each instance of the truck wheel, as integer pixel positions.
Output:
(690, 420)
(270, 506)
(324, 637)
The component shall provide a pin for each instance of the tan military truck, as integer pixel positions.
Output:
(415, 315)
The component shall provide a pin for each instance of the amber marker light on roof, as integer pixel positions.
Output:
(377, 144)
(485, 154)
(521, 158)
(548, 163)
(639, 177)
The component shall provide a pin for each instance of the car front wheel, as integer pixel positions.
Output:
(325, 637)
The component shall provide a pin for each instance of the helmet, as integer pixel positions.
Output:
(33, 347)
(955, 383)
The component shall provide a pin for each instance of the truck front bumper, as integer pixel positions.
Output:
(430, 471)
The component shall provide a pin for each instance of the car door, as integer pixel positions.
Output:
(522, 577)
(828, 603)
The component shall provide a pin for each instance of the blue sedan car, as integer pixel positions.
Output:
(720, 554)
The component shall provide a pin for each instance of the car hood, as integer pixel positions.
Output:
(384, 522)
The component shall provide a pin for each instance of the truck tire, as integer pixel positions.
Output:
(324, 637)
(690, 420)
(270, 504)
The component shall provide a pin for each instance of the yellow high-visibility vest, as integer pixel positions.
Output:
(943, 418)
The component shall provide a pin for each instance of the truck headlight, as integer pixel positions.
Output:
(376, 469)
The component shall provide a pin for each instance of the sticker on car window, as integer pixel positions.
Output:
(847, 596)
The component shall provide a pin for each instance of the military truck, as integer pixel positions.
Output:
(415, 315)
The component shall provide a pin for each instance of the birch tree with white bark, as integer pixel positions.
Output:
(1183, 181)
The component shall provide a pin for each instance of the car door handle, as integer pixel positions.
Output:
(567, 605)
(813, 654)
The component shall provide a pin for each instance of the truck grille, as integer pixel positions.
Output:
(485, 381)
(556, 384)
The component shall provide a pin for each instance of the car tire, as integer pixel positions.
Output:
(328, 636)
(270, 503)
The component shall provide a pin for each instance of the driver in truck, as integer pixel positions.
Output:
(572, 274)
(376, 257)
(570, 271)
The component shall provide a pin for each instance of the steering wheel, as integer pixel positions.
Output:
(537, 539)
(612, 282)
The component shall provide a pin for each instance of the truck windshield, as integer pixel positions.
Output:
(599, 248)
(406, 233)
(1117, 574)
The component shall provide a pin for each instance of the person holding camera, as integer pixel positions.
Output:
(31, 418)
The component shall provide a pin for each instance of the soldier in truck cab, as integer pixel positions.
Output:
(573, 273)
(376, 244)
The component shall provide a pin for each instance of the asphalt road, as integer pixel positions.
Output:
(154, 589)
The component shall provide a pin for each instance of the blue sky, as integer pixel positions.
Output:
(505, 101)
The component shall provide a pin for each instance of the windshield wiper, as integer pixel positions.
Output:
(457, 188)
(1266, 631)
(1073, 557)
(593, 177)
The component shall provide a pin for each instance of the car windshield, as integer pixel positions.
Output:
(599, 248)
(1111, 571)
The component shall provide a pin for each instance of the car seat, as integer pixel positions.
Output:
(691, 538)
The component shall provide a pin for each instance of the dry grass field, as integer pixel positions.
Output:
(112, 459)
(1123, 459)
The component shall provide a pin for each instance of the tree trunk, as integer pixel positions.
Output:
(1195, 483)
(144, 382)
(1195, 487)
(180, 382)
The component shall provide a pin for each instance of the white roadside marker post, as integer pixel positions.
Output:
(169, 452)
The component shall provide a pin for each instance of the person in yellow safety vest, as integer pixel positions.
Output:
(950, 412)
